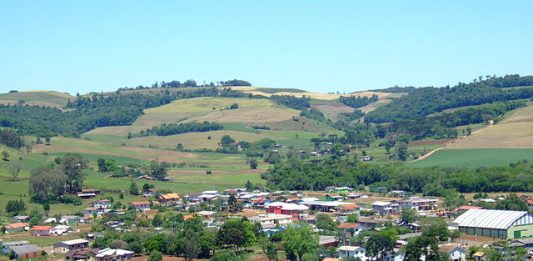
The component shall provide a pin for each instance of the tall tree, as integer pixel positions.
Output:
(14, 171)
(381, 243)
(46, 184)
(72, 166)
(299, 240)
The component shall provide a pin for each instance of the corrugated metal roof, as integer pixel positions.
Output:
(489, 218)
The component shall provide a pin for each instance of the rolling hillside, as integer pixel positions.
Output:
(37, 98)
(490, 145)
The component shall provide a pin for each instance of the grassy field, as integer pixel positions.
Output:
(227, 171)
(473, 158)
(250, 112)
(46, 98)
(514, 131)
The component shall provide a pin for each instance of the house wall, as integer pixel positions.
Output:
(29, 255)
(526, 231)
(484, 232)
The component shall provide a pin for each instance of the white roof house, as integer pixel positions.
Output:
(113, 252)
(381, 203)
(287, 206)
(494, 219)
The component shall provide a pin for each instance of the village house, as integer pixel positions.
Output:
(334, 197)
(418, 203)
(465, 208)
(454, 252)
(329, 206)
(26, 251)
(21, 218)
(60, 230)
(345, 252)
(149, 193)
(90, 212)
(84, 254)
(140, 205)
(113, 254)
(208, 195)
(71, 220)
(6, 246)
(90, 190)
(398, 193)
(102, 203)
(169, 199)
(298, 212)
(327, 241)
(272, 220)
(16, 227)
(385, 208)
(343, 190)
(41, 230)
(206, 214)
(356, 195)
(65, 246)
(348, 231)
(371, 223)
(88, 193)
(348, 208)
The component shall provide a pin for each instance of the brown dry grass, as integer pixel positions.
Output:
(515, 131)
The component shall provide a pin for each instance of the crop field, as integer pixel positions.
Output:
(41, 98)
(267, 92)
(473, 158)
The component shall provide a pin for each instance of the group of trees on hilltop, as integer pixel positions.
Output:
(87, 113)
(179, 128)
(424, 101)
(358, 101)
(295, 174)
(188, 83)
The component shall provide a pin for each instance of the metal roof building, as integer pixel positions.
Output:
(496, 223)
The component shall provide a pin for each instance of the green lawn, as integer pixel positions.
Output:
(474, 158)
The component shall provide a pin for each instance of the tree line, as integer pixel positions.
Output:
(296, 174)
(179, 128)
(188, 83)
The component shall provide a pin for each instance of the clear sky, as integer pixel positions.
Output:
(81, 46)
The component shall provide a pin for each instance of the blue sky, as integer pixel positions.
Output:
(81, 46)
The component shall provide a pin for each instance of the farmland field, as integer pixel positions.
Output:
(473, 158)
